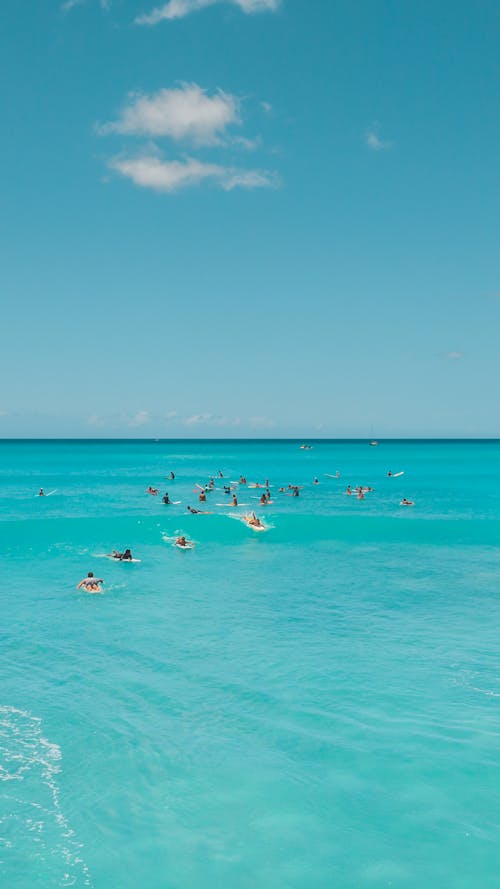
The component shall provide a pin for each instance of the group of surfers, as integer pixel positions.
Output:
(93, 584)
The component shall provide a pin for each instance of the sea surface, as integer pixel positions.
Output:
(312, 707)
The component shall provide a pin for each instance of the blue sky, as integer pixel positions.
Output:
(250, 217)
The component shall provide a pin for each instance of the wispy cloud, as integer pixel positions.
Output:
(184, 113)
(207, 419)
(150, 171)
(374, 141)
(178, 9)
(454, 356)
(70, 4)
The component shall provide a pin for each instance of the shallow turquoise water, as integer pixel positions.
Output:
(316, 706)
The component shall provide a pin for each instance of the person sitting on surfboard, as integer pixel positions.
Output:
(166, 499)
(90, 583)
(389, 474)
(235, 500)
(171, 476)
(263, 499)
(243, 480)
(203, 497)
(41, 493)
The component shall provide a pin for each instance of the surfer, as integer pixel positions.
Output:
(235, 500)
(316, 481)
(166, 499)
(203, 497)
(348, 490)
(406, 502)
(389, 474)
(243, 480)
(254, 521)
(171, 476)
(263, 499)
(182, 542)
(90, 583)
(153, 491)
(41, 493)
(219, 474)
(122, 557)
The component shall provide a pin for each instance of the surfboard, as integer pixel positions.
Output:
(187, 546)
(115, 559)
(232, 505)
(328, 475)
(396, 474)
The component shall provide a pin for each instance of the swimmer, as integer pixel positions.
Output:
(316, 481)
(153, 491)
(211, 484)
(348, 490)
(281, 490)
(243, 480)
(219, 474)
(361, 496)
(389, 474)
(171, 476)
(166, 499)
(90, 583)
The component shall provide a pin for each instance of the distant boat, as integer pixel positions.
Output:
(374, 444)
(306, 447)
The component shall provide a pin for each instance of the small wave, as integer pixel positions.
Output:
(35, 836)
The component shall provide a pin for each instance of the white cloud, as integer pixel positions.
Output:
(183, 113)
(266, 107)
(454, 356)
(70, 4)
(374, 141)
(140, 418)
(150, 171)
(211, 420)
(178, 9)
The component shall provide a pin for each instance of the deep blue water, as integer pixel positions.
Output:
(314, 706)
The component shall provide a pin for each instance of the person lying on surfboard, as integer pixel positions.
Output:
(181, 541)
(153, 491)
(253, 520)
(122, 557)
(90, 583)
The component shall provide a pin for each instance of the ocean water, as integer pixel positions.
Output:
(313, 706)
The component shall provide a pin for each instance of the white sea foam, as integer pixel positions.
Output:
(35, 836)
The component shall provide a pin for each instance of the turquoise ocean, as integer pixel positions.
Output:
(313, 706)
